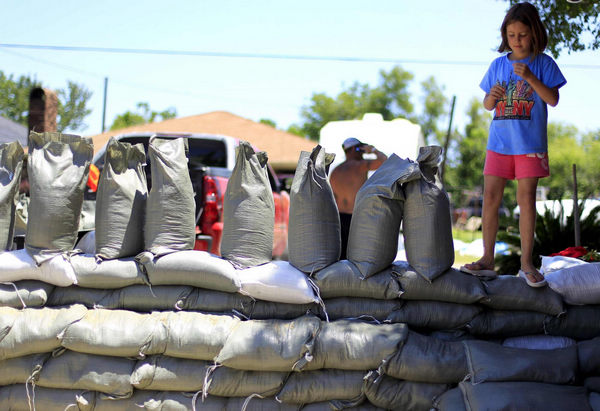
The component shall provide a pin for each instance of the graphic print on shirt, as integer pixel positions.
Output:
(517, 103)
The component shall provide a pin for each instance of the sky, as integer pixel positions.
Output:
(264, 59)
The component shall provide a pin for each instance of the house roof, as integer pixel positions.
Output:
(11, 131)
(282, 148)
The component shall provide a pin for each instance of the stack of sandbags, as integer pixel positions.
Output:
(187, 330)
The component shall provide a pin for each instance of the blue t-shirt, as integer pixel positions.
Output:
(521, 116)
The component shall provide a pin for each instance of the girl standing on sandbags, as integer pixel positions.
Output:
(518, 87)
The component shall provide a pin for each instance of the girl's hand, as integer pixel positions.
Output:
(522, 70)
(497, 92)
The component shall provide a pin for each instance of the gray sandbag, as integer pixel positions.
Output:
(595, 401)
(451, 400)
(451, 286)
(21, 294)
(577, 285)
(191, 267)
(254, 404)
(170, 223)
(314, 240)
(524, 395)
(209, 301)
(19, 370)
(228, 382)
(323, 385)
(89, 297)
(139, 298)
(356, 345)
(435, 315)
(427, 359)
(117, 333)
(34, 330)
(58, 166)
(341, 405)
(270, 345)
(427, 223)
(592, 384)
(11, 166)
(121, 201)
(106, 274)
(161, 373)
(579, 322)
(248, 210)
(539, 342)
(377, 214)
(589, 356)
(267, 310)
(504, 324)
(197, 336)
(509, 292)
(489, 361)
(158, 401)
(72, 370)
(392, 394)
(343, 279)
(142, 298)
(18, 397)
(366, 308)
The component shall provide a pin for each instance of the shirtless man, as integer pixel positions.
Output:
(347, 178)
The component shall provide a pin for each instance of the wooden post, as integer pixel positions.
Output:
(576, 209)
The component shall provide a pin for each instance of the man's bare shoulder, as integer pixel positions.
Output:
(349, 166)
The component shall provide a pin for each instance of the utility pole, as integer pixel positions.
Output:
(104, 104)
(447, 143)
(576, 225)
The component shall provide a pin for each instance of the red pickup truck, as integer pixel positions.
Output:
(211, 160)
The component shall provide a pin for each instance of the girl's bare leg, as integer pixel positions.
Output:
(526, 189)
(493, 190)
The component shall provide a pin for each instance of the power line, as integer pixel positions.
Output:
(196, 53)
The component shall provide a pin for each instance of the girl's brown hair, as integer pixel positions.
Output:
(527, 14)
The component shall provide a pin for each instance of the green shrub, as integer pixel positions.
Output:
(552, 234)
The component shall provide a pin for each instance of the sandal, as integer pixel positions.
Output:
(535, 284)
(482, 271)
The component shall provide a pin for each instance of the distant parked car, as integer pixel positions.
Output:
(211, 161)
(474, 208)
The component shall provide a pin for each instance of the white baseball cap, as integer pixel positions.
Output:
(351, 142)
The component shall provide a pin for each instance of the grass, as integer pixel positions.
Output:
(467, 237)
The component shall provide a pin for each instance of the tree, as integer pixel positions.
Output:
(14, 97)
(390, 98)
(72, 107)
(268, 122)
(143, 116)
(72, 102)
(465, 172)
(435, 104)
(570, 24)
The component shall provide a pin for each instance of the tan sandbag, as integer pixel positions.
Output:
(58, 166)
(34, 330)
(117, 333)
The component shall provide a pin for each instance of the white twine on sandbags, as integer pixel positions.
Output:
(247, 400)
(17, 291)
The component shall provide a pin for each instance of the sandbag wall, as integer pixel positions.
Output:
(188, 330)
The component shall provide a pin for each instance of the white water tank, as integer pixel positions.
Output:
(398, 136)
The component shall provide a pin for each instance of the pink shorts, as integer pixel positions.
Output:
(516, 166)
